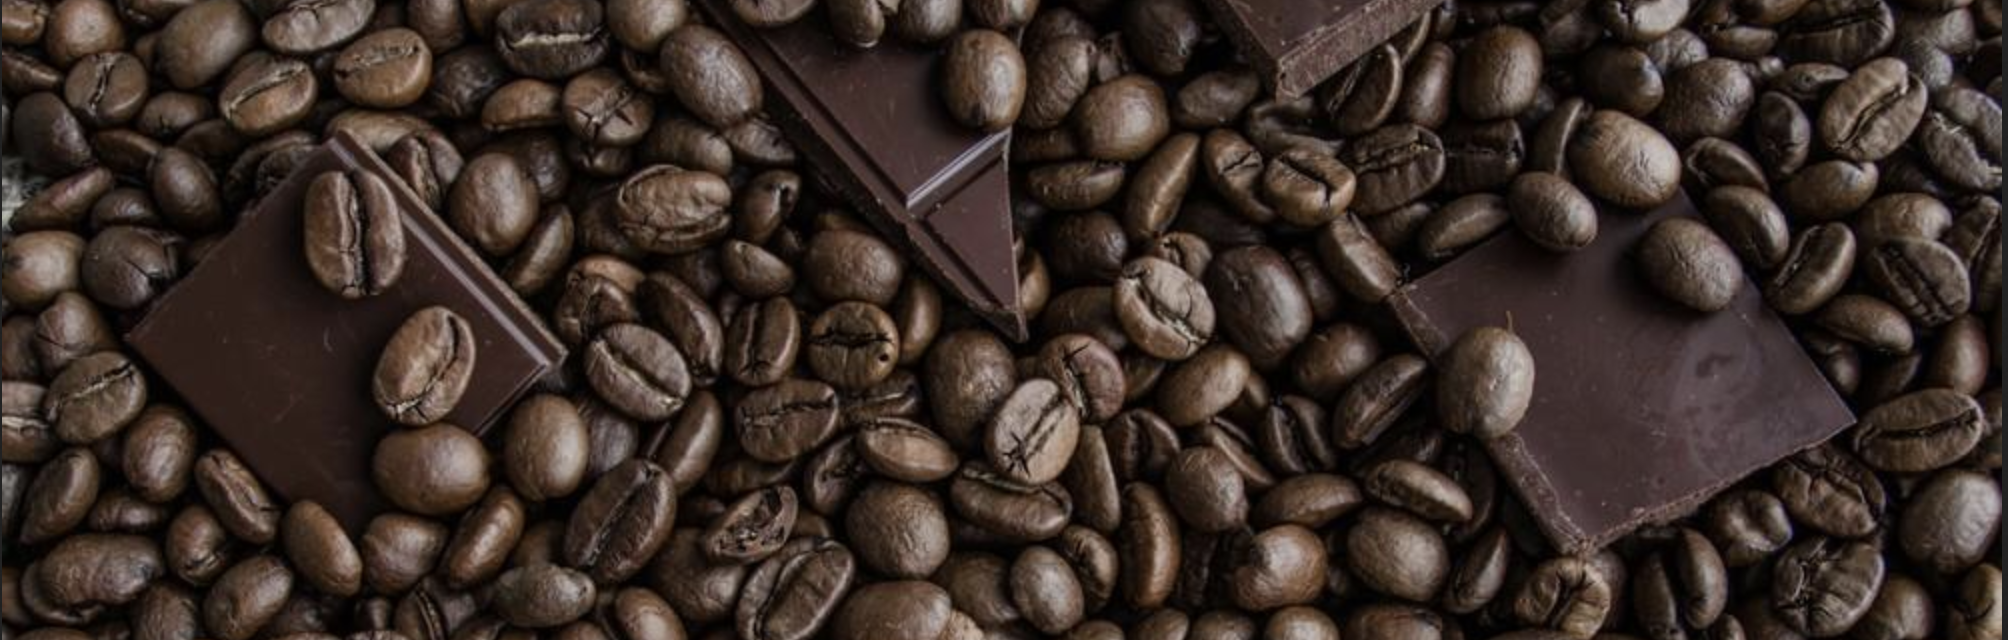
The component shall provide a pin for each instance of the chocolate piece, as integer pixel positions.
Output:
(1642, 409)
(281, 366)
(1297, 44)
(872, 123)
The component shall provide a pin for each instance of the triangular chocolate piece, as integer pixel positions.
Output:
(871, 124)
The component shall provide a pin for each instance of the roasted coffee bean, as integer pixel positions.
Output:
(493, 203)
(355, 234)
(1264, 310)
(94, 397)
(670, 210)
(710, 76)
(1823, 585)
(1748, 526)
(1166, 311)
(1032, 436)
(425, 367)
(983, 76)
(385, 69)
(239, 501)
(1830, 491)
(1008, 508)
(1949, 520)
(1121, 120)
(1501, 70)
(1486, 383)
(1918, 432)
(126, 267)
(246, 597)
(61, 496)
(1688, 263)
(795, 593)
(852, 345)
(483, 539)
(1377, 398)
(1873, 111)
(1920, 276)
(753, 528)
(781, 422)
(542, 596)
(320, 551)
(1203, 386)
(28, 437)
(1397, 554)
(1552, 212)
(638, 371)
(1619, 159)
(1393, 165)
(898, 530)
(621, 522)
(1565, 594)
(545, 448)
(435, 470)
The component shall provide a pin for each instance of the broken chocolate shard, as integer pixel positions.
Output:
(1297, 44)
(873, 127)
(1642, 409)
(281, 367)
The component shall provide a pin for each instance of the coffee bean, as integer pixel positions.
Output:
(1920, 276)
(320, 551)
(898, 530)
(482, 541)
(425, 367)
(1203, 386)
(246, 597)
(1033, 433)
(1397, 554)
(621, 522)
(1552, 212)
(1873, 111)
(983, 78)
(795, 593)
(493, 203)
(1394, 165)
(781, 422)
(1121, 120)
(239, 501)
(1377, 398)
(1486, 384)
(1501, 70)
(542, 596)
(753, 528)
(1008, 508)
(1688, 263)
(355, 234)
(1620, 159)
(1565, 594)
(1841, 577)
(638, 371)
(900, 610)
(1830, 491)
(852, 345)
(436, 470)
(1946, 526)
(385, 69)
(1920, 431)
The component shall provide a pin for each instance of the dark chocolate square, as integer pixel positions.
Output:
(281, 367)
(1643, 409)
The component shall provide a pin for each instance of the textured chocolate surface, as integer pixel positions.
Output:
(1297, 44)
(281, 367)
(873, 126)
(1643, 409)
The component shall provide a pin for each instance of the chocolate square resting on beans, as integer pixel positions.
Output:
(1642, 409)
(281, 366)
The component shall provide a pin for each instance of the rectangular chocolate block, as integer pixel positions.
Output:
(1643, 409)
(872, 125)
(1296, 44)
(281, 367)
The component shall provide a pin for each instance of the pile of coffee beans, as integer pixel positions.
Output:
(774, 427)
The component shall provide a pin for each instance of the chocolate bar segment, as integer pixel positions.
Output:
(1643, 409)
(281, 366)
(1297, 44)
(872, 125)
